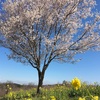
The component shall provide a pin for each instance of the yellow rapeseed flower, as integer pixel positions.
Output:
(43, 97)
(81, 98)
(28, 94)
(7, 85)
(95, 98)
(76, 83)
(10, 88)
(10, 94)
(29, 98)
(52, 98)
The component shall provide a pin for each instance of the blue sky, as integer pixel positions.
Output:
(88, 69)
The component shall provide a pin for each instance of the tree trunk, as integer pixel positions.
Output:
(40, 81)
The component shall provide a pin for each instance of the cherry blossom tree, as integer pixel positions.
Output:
(38, 32)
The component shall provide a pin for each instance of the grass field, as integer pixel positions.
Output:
(65, 91)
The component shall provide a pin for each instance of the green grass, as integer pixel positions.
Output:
(57, 92)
